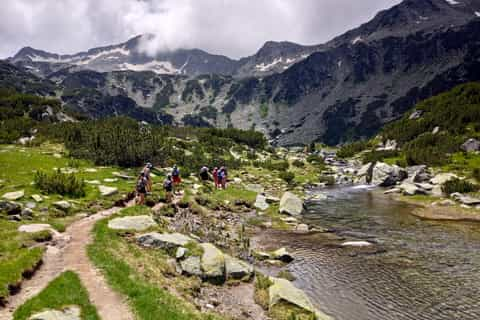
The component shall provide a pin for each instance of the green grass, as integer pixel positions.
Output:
(232, 193)
(64, 291)
(147, 299)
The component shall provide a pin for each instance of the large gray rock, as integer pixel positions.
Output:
(212, 261)
(282, 255)
(441, 178)
(107, 191)
(70, 313)
(261, 203)
(471, 145)
(163, 240)
(237, 269)
(410, 189)
(137, 223)
(385, 175)
(418, 174)
(291, 204)
(283, 290)
(191, 266)
(13, 196)
(466, 200)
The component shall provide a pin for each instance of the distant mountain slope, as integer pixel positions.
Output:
(345, 89)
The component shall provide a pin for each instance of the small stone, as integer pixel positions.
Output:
(31, 205)
(95, 182)
(261, 203)
(13, 196)
(37, 198)
(70, 313)
(62, 205)
(282, 255)
(302, 227)
(27, 213)
(91, 170)
(138, 223)
(110, 180)
(107, 191)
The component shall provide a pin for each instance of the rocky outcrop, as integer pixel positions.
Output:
(261, 203)
(464, 199)
(107, 191)
(163, 240)
(137, 223)
(291, 204)
(441, 178)
(62, 205)
(191, 266)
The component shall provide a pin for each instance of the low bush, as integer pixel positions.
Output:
(379, 156)
(60, 183)
(350, 149)
(272, 165)
(287, 176)
(298, 164)
(458, 185)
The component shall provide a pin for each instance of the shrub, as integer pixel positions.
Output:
(458, 185)
(272, 165)
(379, 156)
(298, 164)
(476, 174)
(60, 183)
(350, 149)
(287, 176)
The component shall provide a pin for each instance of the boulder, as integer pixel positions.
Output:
(191, 266)
(271, 199)
(69, 313)
(37, 198)
(261, 203)
(237, 269)
(418, 174)
(27, 213)
(282, 255)
(365, 172)
(302, 227)
(163, 240)
(13, 196)
(180, 253)
(62, 205)
(291, 204)
(385, 175)
(283, 290)
(441, 178)
(471, 145)
(10, 208)
(107, 191)
(416, 115)
(466, 200)
(425, 186)
(212, 261)
(137, 223)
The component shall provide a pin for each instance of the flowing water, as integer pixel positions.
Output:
(418, 269)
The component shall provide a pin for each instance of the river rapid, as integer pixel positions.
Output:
(417, 269)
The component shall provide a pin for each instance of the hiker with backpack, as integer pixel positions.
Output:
(141, 189)
(215, 176)
(204, 173)
(168, 187)
(176, 178)
(147, 171)
(221, 177)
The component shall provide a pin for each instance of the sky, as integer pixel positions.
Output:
(235, 28)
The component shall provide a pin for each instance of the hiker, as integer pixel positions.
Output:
(221, 177)
(168, 186)
(176, 178)
(141, 189)
(147, 171)
(204, 173)
(215, 176)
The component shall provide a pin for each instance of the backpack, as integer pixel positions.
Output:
(220, 174)
(175, 172)
(167, 184)
(141, 184)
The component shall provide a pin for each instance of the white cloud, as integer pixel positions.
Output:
(234, 28)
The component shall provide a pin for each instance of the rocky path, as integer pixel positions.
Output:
(70, 253)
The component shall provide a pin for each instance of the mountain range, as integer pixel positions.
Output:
(344, 89)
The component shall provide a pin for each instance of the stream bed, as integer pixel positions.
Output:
(421, 270)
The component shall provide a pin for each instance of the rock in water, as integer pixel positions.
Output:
(237, 269)
(191, 266)
(410, 189)
(163, 240)
(70, 313)
(283, 290)
(137, 223)
(261, 203)
(212, 262)
(282, 255)
(107, 191)
(291, 204)
(13, 196)
(356, 244)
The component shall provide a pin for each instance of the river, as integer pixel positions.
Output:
(418, 269)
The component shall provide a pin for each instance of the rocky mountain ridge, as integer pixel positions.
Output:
(345, 89)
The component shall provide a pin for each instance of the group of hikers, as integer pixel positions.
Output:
(173, 180)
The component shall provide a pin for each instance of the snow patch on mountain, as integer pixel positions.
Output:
(160, 67)
(452, 2)
(477, 13)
